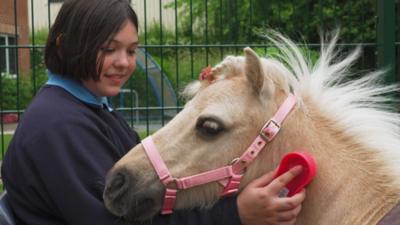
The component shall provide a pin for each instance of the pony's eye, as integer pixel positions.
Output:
(209, 126)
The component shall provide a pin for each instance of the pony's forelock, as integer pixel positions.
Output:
(191, 90)
(230, 66)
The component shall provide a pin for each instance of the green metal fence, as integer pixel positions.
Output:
(179, 37)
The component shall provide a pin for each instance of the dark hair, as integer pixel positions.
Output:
(78, 33)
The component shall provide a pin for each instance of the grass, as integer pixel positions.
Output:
(3, 146)
(143, 134)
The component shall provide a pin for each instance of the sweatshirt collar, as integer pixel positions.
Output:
(78, 90)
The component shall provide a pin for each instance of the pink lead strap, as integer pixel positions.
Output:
(233, 172)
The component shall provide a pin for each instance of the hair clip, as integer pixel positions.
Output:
(206, 73)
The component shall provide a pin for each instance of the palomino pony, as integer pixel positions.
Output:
(346, 124)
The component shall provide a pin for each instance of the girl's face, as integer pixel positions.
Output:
(119, 62)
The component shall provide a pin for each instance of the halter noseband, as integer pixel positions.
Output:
(229, 176)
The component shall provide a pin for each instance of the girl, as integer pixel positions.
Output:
(69, 137)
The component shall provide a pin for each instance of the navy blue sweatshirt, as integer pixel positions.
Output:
(55, 166)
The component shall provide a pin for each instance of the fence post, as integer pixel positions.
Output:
(386, 38)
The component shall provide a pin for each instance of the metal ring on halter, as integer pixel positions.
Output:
(242, 168)
(172, 184)
(234, 161)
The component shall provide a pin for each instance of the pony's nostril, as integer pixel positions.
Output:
(123, 196)
(117, 191)
(117, 182)
(116, 185)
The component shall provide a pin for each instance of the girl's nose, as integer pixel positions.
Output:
(123, 60)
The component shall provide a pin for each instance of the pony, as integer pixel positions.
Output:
(348, 125)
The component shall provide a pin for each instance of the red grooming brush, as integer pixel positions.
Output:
(291, 160)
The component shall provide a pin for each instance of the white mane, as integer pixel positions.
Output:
(361, 106)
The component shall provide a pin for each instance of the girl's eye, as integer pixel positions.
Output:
(132, 51)
(107, 50)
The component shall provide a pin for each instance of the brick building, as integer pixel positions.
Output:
(14, 30)
(45, 13)
(16, 21)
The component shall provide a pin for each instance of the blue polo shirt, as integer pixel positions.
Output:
(78, 90)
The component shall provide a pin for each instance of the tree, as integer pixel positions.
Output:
(245, 22)
(240, 21)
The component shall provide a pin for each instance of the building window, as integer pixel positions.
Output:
(8, 60)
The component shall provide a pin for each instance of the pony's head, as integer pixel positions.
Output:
(227, 108)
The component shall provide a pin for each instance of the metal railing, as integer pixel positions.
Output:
(183, 40)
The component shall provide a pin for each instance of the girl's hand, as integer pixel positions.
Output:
(259, 203)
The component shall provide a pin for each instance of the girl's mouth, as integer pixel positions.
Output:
(115, 78)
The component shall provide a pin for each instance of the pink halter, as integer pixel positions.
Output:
(229, 176)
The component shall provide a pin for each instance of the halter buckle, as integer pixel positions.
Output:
(269, 130)
(238, 167)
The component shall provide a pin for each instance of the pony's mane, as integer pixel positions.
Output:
(362, 106)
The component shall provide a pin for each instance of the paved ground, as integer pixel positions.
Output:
(9, 128)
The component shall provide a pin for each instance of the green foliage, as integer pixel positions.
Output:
(246, 22)
(38, 73)
(242, 21)
(16, 92)
(153, 35)
(40, 37)
(139, 84)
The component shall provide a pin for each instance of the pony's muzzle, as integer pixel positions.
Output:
(116, 190)
(124, 197)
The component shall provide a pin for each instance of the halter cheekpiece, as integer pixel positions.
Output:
(228, 176)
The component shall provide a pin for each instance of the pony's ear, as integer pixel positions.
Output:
(253, 69)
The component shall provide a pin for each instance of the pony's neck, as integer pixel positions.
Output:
(350, 178)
